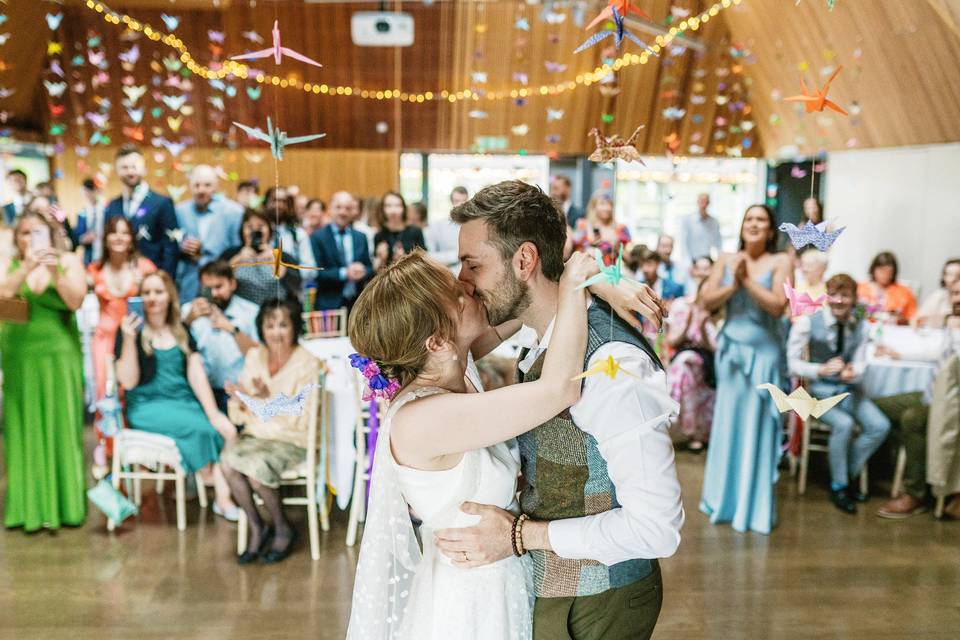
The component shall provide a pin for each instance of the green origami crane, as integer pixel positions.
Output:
(276, 138)
(612, 274)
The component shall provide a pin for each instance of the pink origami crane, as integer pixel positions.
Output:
(276, 51)
(801, 304)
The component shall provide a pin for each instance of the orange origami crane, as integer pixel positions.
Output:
(818, 101)
(623, 8)
(277, 262)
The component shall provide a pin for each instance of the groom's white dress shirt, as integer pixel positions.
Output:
(629, 419)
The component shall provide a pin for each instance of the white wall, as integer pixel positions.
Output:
(905, 200)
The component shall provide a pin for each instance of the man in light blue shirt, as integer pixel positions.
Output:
(209, 225)
(701, 232)
(224, 326)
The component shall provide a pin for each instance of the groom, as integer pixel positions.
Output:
(601, 489)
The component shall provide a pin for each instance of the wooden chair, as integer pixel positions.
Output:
(305, 475)
(325, 324)
(820, 445)
(133, 449)
(358, 498)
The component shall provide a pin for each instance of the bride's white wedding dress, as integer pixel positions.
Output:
(397, 594)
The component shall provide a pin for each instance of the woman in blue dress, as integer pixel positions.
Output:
(744, 450)
(167, 390)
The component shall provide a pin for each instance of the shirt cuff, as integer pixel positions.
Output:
(343, 273)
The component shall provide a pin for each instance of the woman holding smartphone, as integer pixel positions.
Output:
(43, 382)
(257, 284)
(167, 391)
(114, 278)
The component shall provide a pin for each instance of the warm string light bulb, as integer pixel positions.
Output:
(239, 70)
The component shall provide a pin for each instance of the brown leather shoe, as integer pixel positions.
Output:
(952, 510)
(902, 507)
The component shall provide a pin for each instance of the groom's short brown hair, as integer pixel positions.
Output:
(517, 212)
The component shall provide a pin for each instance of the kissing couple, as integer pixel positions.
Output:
(599, 501)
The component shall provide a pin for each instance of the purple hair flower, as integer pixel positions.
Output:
(378, 385)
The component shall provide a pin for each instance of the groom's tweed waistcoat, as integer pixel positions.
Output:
(566, 477)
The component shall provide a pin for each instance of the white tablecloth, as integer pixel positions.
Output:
(343, 412)
(892, 377)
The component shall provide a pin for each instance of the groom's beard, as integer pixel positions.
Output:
(506, 301)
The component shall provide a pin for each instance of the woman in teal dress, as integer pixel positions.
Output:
(167, 390)
(43, 383)
(744, 449)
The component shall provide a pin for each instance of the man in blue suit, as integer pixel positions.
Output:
(17, 182)
(210, 224)
(343, 253)
(90, 222)
(152, 215)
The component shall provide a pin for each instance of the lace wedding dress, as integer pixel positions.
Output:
(403, 593)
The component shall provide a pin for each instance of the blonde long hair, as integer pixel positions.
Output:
(412, 300)
(592, 207)
(172, 319)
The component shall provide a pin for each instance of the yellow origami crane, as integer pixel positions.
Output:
(277, 262)
(802, 402)
(608, 367)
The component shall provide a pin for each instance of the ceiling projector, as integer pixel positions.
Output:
(381, 29)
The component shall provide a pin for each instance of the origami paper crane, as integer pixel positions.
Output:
(612, 274)
(174, 102)
(817, 235)
(620, 32)
(801, 304)
(802, 402)
(281, 404)
(55, 89)
(622, 7)
(171, 22)
(276, 138)
(818, 101)
(277, 51)
(554, 67)
(131, 55)
(608, 367)
(278, 262)
(554, 114)
(615, 147)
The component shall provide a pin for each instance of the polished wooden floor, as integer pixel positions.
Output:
(820, 575)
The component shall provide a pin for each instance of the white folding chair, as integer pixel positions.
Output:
(330, 323)
(358, 498)
(808, 444)
(305, 475)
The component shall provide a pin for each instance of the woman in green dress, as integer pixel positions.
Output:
(167, 390)
(43, 382)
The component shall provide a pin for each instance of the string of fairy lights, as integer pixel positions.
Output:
(239, 70)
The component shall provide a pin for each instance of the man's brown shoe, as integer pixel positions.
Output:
(902, 507)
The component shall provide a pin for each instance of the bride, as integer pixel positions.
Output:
(442, 444)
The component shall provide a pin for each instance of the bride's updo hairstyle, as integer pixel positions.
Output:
(399, 310)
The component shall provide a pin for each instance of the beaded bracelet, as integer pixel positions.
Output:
(516, 535)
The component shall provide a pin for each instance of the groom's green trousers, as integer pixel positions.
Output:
(626, 613)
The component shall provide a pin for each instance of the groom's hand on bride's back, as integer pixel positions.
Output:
(486, 542)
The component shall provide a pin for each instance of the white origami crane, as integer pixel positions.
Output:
(802, 402)
(277, 51)
(281, 404)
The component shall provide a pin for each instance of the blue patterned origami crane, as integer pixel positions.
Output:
(620, 32)
(815, 234)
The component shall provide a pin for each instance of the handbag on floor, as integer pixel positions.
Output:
(114, 504)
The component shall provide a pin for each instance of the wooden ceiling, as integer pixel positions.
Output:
(721, 94)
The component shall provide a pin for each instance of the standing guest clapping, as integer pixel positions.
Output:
(43, 382)
(745, 439)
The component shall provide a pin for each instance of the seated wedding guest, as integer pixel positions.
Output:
(42, 382)
(114, 278)
(883, 289)
(668, 269)
(19, 196)
(394, 237)
(278, 205)
(910, 412)
(691, 378)
(828, 349)
(248, 194)
(442, 234)
(267, 448)
(223, 325)
(152, 215)
(813, 266)
(256, 283)
(342, 252)
(417, 216)
(166, 387)
(936, 307)
(745, 436)
(90, 222)
(210, 224)
(599, 229)
(646, 265)
(315, 216)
